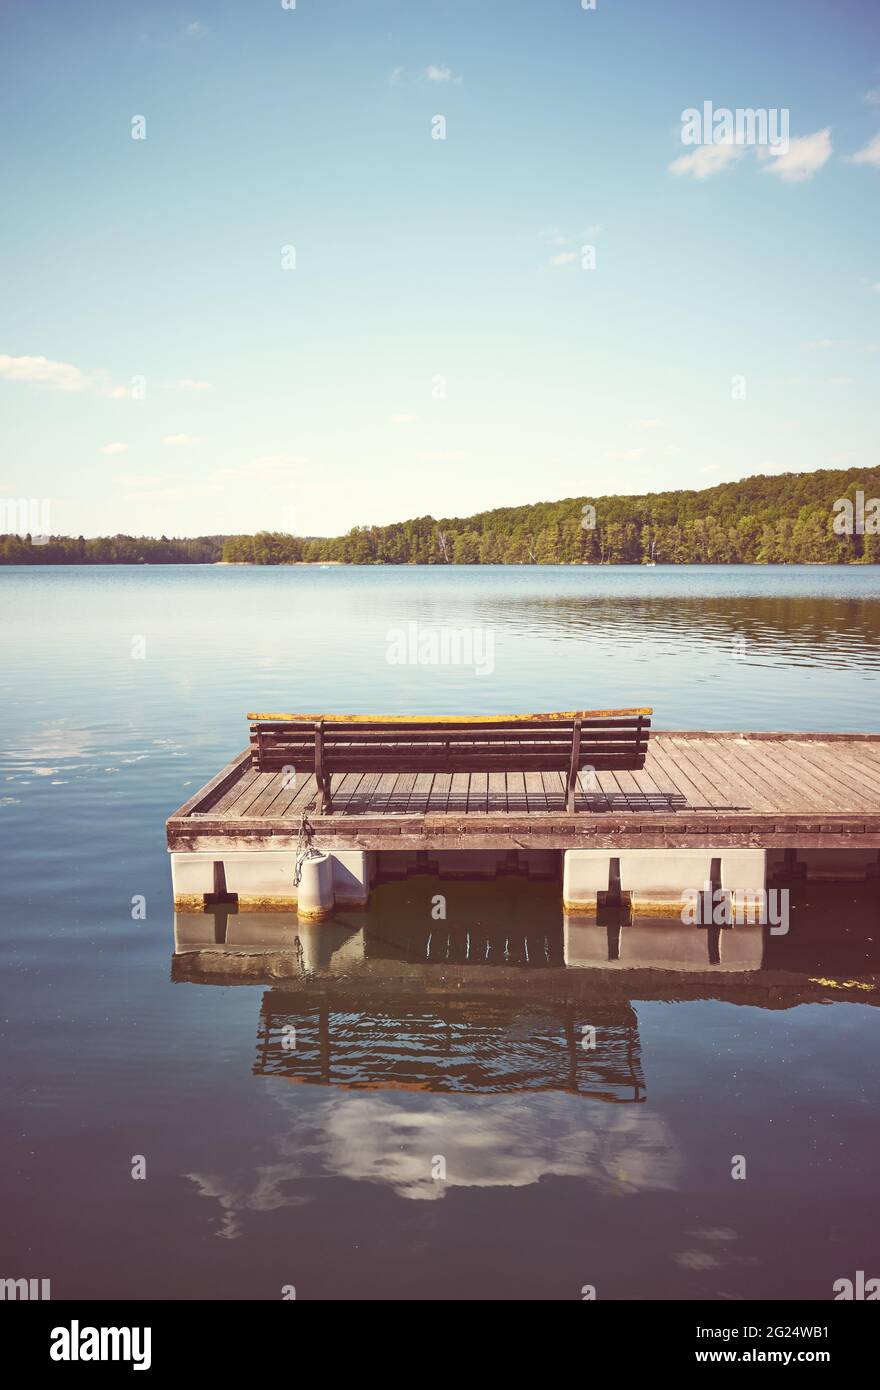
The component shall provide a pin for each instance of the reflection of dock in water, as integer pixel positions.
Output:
(499, 1002)
(456, 1045)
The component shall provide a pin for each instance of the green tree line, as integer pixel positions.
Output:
(789, 518)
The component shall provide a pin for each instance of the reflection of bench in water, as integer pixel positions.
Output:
(474, 1046)
(438, 944)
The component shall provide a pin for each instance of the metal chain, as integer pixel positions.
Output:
(304, 848)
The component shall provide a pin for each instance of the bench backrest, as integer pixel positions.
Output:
(609, 739)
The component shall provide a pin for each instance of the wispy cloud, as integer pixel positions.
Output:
(63, 376)
(403, 419)
(801, 159)
(438, 74)
(59, 376)
(873, 96)
(186, 383)
(869, 154)
(117, 448)
(179, 441)
(564, 258)
(706, 160)
(279, 471)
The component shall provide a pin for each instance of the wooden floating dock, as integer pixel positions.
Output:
(710, 789)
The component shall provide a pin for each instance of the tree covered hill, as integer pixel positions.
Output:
(786, 518)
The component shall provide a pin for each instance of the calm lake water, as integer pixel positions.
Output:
(125, 689)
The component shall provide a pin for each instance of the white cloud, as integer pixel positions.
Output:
(403, 419)
(873, 97)
(113, 449)
(435, 74)
(176, 441)
(869, 154)
(652, 423)
(800, 159)
(564, 258)
(706, 160)
(876, 288)
(59, 376)
(186, 383)
(63, 376)
(195, 29)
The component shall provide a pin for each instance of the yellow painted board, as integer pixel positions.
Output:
(453, 718)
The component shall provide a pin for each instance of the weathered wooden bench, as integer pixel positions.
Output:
(326, 744)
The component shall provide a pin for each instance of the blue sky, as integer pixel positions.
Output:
(439, 346)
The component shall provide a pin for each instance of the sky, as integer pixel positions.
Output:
(291, 306)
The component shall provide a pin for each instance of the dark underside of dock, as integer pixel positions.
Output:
(766, 790)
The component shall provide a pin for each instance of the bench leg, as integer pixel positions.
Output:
(573, 765)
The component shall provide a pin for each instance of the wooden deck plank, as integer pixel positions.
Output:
(554, 790)
(749, 777)
(826, 792)
(852, 781)
(536, 797)
(440, 788)
(402, 791)
(859, 775)
(268, 796)
(497, 792)
(361, 801)
(248, 795)
(713, 787)
(382, 795)
(343, 789)
(800, 788)
(458, 791)
(516, 792)
(776, 779)
(768, 792)
(478, 793)
(665, 758)
(746, 792)
(232, 794)
(420, 795)
(297, 800)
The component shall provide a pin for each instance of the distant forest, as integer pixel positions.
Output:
(790, 518)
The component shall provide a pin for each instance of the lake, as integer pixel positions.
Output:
(125, 688)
